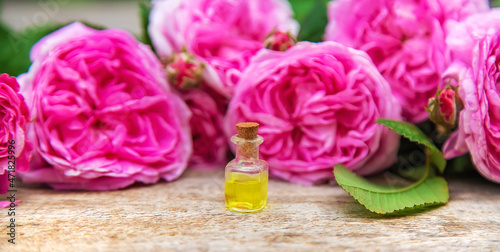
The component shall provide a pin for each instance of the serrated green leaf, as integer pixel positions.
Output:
(413, 133)
(409, 131)
(382, 199)
(385, 199)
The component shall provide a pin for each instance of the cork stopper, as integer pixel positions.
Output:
(247, 130)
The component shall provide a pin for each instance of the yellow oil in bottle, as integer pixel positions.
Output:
(246, 192)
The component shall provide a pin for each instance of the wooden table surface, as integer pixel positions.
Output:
(189, 215)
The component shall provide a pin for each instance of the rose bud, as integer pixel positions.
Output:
(443, 108)
(279, 41)
(184, 71)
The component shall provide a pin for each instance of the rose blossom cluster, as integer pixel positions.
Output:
(183, 34)
(206, 44)
(317, 103)
(405, 39)
(15, 149)
(210, 147)
(222, 34)
(104, 116)
(317, 106)
(107, 112)
(475, 44)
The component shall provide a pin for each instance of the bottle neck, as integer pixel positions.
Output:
(247, 150)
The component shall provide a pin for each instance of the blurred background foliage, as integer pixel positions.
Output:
(15, 44)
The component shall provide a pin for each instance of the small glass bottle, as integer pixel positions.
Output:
(246, 176)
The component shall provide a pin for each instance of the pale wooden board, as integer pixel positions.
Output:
(189, 214)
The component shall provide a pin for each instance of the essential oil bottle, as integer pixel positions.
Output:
(246, 176)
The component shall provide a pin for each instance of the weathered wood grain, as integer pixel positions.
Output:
(189, 215)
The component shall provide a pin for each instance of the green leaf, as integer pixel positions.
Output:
(301, 8)
(16, 46)
(6, 54)
(144, 10)
(460, 165)
(382, 199)
(312, 17)
(414, 173)
(413, 133)
(385, 199)
(93, 25)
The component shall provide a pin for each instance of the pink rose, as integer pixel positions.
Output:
(223, 34)
(317, 105)
(15, 149)
(476, 46)
(207, 108)
(405, 39)
(104, 116)
(209, 141)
